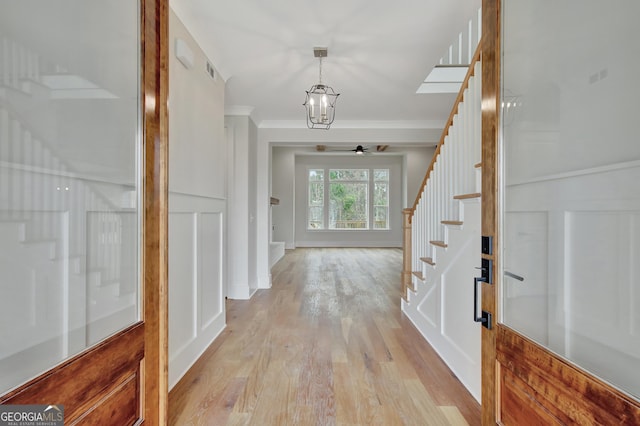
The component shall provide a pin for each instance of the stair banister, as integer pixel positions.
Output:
(435, 203)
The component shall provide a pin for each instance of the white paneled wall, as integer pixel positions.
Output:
(441, 304)
(197, 205)
(196, 278)
(574, 239)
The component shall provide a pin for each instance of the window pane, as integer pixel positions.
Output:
(349, 174)
(381, 194)
(348, 206)
(316, 194)
(381, 174)
(381, 217)
(571, 195)
(68, 180)
(381, 205)
(316, 175)
(316, 220)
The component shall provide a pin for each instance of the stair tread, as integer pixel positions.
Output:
(418, 274)
(452, 222)
(428, 260)
(467, 196)
(439, 243)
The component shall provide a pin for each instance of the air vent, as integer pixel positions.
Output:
(211, 71)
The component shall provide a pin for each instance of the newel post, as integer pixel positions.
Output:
(406, 251)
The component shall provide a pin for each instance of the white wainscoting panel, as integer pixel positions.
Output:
(210, 257)
(574, 237)
(196, 278)
(182, 281)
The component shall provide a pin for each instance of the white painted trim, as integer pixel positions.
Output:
(577, 173)
(242, 110)
(351, 244)
(239, 291)
(190, 195)
(357, 124)
(182, 361)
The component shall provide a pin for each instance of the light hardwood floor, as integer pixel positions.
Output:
(326, 345)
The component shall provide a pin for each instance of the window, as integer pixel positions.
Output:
(381, 198)
(316, 199)
(355, 196)
(348, 195)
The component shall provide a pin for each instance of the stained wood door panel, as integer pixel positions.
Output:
(552, 387)
(119, 407)
(518, 401)
(94, 383)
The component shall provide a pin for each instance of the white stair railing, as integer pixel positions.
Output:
(461, 51)
(451, 173)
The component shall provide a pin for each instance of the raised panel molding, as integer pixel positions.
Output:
(197, 275)
(182, 282)
(210, 271)
(441, 305)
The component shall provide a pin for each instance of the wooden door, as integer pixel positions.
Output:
(535, 361)
(120, 379)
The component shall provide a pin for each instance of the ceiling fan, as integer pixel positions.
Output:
(359, 149)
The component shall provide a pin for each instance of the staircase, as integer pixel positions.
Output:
(63, 236)
(442, 240)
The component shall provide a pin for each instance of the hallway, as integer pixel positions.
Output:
(326, 345)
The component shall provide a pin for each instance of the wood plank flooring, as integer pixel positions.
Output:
(326, 345)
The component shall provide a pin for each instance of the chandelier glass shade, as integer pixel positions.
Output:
(320, 102)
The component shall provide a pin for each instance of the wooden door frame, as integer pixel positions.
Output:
(538, 385)
(155, 308)
(490, 120)
(135, 387)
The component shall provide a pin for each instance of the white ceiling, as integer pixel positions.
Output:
(379, 54)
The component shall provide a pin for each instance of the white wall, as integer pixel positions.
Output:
(283, 161)
(197, 206)
(243, 230)
(414, 164)
(335, 238)
(253, 230)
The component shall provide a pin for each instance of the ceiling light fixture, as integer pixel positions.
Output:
(320, 102)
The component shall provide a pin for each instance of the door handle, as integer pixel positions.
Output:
(512, 275)
(487, 270)
(484, 317)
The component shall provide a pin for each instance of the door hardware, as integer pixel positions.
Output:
(487, 244)
(485, 317)
(486, 271)
(512, 275)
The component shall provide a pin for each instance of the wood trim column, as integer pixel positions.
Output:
(406, 251)
(155, 86)
(490, 122)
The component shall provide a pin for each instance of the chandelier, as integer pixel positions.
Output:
(320, 102)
